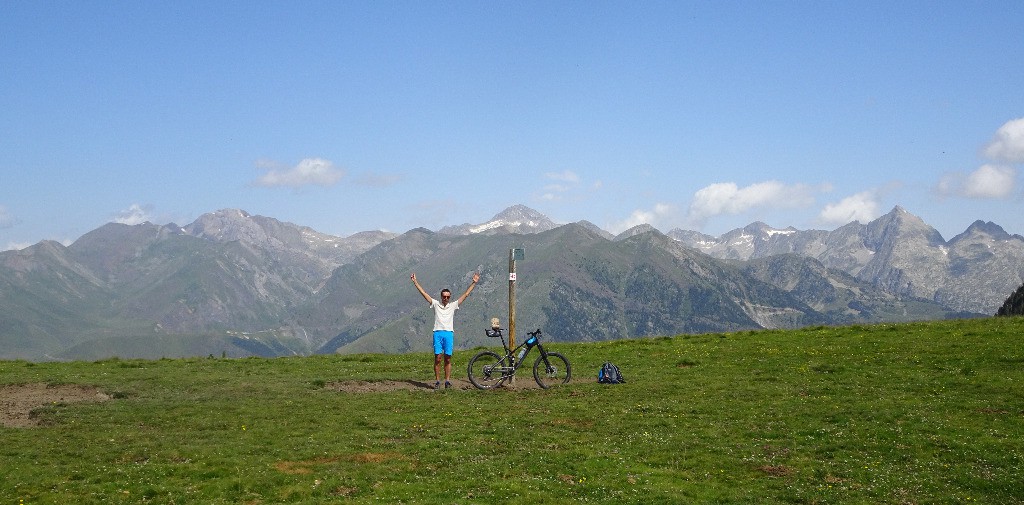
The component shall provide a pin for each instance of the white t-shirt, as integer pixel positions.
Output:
(444, 315)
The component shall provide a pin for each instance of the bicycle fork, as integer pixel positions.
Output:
(544, 357)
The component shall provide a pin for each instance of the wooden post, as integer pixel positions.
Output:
(511, 298)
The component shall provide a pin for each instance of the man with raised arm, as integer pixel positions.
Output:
(444, 327)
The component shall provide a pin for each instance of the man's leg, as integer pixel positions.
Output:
(438, 349)
(448, 343)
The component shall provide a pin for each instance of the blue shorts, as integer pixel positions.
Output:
(443, 341)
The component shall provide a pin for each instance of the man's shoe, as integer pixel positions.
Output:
(447, 385)
(437, 385)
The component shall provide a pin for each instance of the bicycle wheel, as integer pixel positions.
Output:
(556, 371)
(486, 370)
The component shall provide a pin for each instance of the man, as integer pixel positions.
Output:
(444, 327)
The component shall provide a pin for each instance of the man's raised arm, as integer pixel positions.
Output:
(476, 279)
(420, 288)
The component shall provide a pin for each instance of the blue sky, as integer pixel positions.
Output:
(353, 116)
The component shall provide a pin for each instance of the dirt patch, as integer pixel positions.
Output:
(360, 386)
(309, 466)
(302, 467)
(17, 401)
(776, 470)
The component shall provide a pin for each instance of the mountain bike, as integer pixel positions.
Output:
(488, 369)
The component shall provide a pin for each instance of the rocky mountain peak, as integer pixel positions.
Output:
(983, 228)
(757, 226)
(519, 213)
(515, 219)
(636, 230)
(596, 229)
(225, 225)
(900, 222)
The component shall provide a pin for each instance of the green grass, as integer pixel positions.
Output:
(906, 413)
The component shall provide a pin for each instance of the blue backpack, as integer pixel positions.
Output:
(610, 374)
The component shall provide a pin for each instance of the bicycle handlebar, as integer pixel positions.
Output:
(494, 332)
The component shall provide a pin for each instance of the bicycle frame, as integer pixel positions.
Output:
(510, 354)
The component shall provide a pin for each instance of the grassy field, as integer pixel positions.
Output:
(908, 413)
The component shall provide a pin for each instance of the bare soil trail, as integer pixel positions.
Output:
(17, 401)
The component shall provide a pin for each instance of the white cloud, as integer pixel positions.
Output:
(136, 214)
(728, 198)
(861, 207)
(1008, 143)
(987, 182)
(654, 217)
(990, 181)
(309, 172)
(7, 220)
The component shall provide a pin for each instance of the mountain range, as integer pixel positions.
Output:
(974, 271)
(235, 284)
